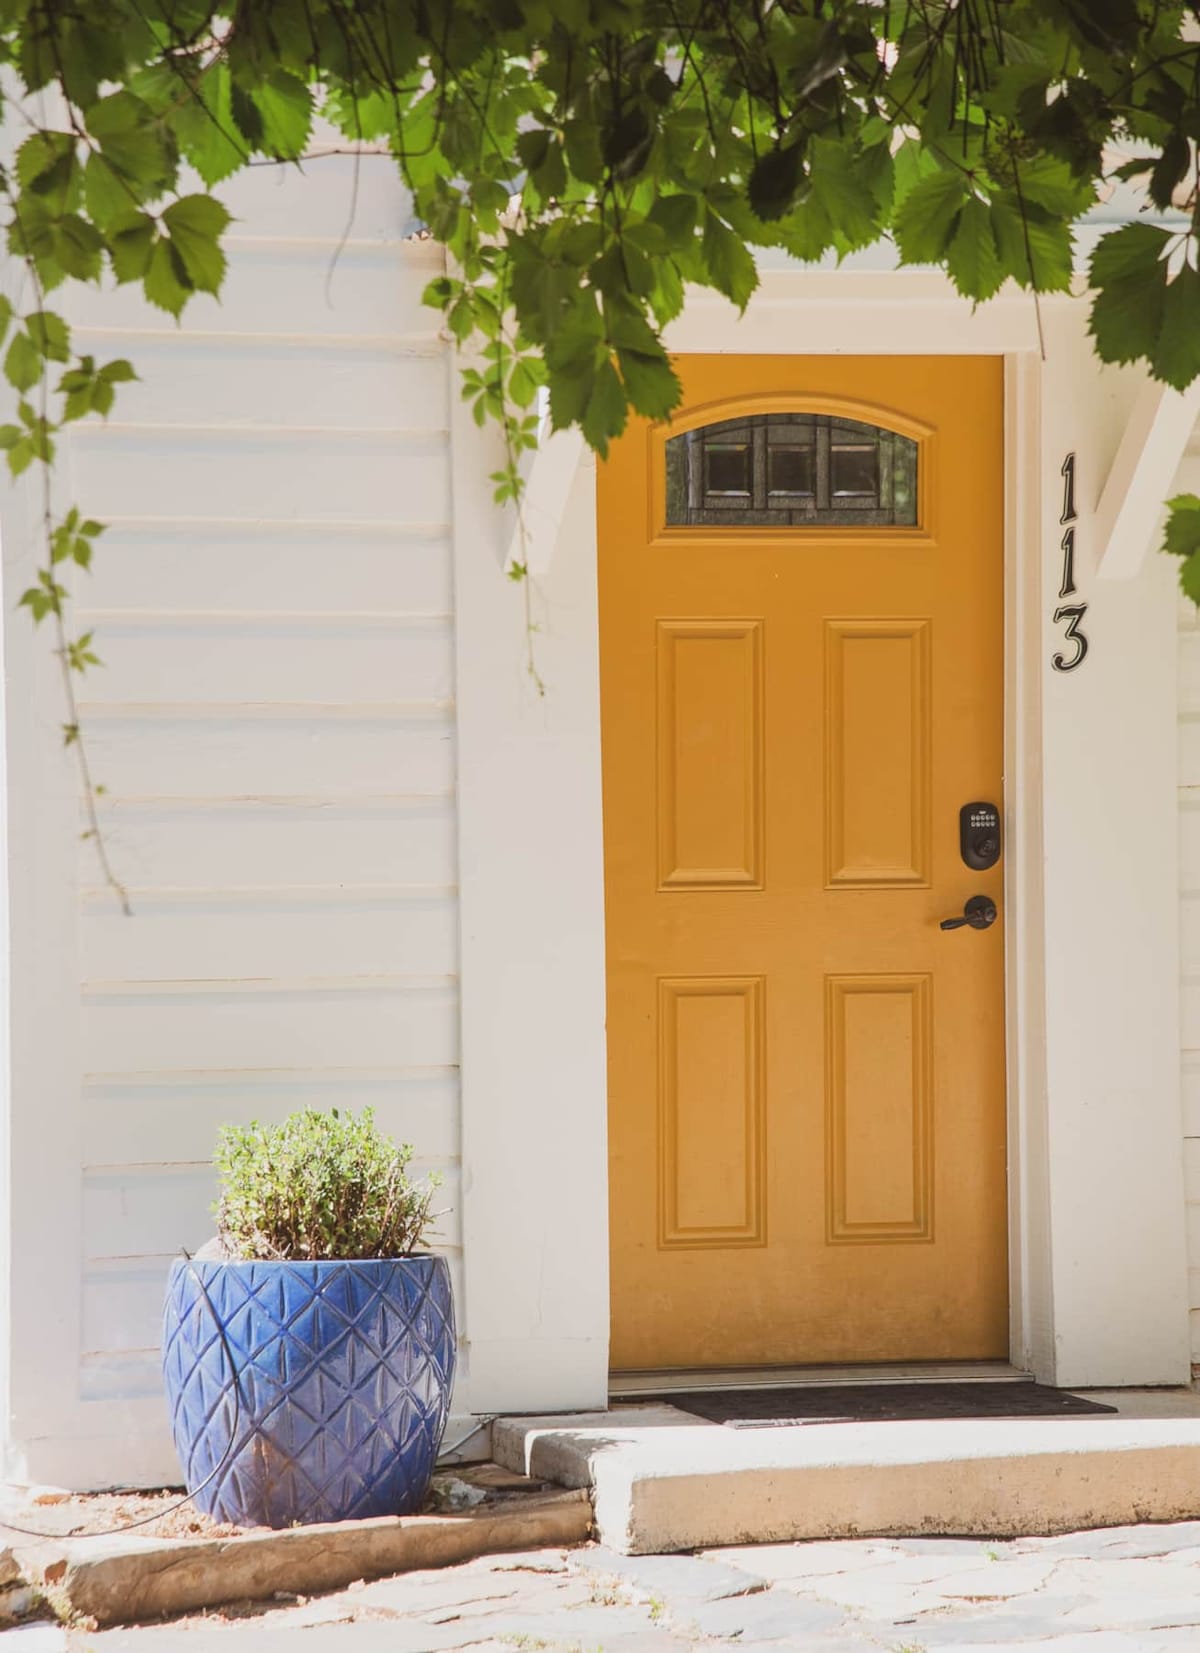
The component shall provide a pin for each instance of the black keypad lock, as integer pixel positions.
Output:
(979, 835)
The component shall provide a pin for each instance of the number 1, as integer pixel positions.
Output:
(1069, 512)
(1067, 588)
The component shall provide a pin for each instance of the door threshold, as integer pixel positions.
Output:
(690, 1380)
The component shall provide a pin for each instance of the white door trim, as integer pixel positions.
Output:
(532, 893)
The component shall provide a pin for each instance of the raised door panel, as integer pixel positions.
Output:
(879, 1108)
(712, 1138)
(710, 762)
(877, 719)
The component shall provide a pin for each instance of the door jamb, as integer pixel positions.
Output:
(531, 895)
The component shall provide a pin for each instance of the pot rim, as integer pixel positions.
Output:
(305, 1262)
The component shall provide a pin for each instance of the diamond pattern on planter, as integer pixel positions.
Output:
(338, 1390)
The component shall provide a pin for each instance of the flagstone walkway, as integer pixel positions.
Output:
(1117, 1590)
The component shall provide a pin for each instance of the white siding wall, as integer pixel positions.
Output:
(1188, 478)
(274, 727)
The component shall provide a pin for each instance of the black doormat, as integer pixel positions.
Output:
(881, 1402)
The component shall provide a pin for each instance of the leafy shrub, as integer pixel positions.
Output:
(320, 1185)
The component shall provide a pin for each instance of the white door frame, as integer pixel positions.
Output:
(1098, 1270)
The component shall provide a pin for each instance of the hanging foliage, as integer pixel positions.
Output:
(583, 162)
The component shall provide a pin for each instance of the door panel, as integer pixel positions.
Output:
(807, 1135)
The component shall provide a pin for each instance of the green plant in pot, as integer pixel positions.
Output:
(309, 1351)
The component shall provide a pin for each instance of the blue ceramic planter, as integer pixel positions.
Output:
(343, 1373)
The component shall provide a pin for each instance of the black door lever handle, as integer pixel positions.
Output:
(979, 913)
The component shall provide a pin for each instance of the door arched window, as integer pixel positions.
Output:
(772, 470)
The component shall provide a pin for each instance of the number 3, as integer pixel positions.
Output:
(1072, 613)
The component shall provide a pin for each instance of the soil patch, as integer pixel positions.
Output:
(170, 1513)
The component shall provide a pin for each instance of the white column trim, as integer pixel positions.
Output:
(1128, 513)
(1030, 1299)
(536, 533)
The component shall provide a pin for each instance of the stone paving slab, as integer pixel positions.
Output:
(997, 1580)
(1015, 1624)
(773, 1615)
(1101, 1641)
(674, 1577)
(1111, 1543)
(816, 1558)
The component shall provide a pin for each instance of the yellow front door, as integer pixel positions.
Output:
(801, 621)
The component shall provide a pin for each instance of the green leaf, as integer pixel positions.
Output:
(1134, 168)
(774, 181)
(196, 223)
(246, 116)
(130, 243)
(605, 413)
(583, 155)
(628, 328)
(78, 246)
(1183, 525)
(550, 178)
(524, 381)
(807, 232)
(840, 186)
(6, 315)
(650, 383)
(675, 216)
(1035, 247)
(23, 362)
(911, 163)
(928, 216)
(440, 291)
(1128, 254)
(134, 143)
(627, 141)
(79, 385)
(1170, 169)
(1182, 539)
(284, 106)
(46, 597)
(570, 388)
(1128, 271)
(166, 282)
(205, 127)
(532, 147)
(50, 335)
(1189, 578)
(118, 372)
(1051, 184)
(20, 458)
(973, 259)
(729, 264)
(666, 301)
(1176, 358)
(47, 167)
(106, 191)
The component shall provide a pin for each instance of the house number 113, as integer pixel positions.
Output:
(1069, 614)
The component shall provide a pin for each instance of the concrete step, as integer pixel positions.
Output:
(663, 1481)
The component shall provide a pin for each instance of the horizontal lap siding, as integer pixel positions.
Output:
(1188, 478)
(274, 729)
